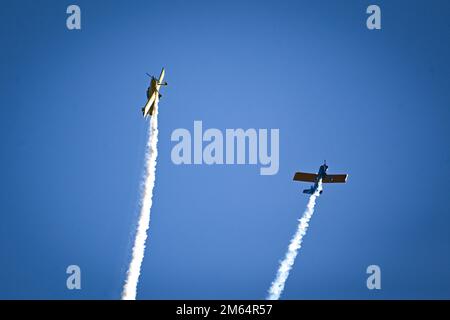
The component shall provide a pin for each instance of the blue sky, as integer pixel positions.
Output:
(373, 103)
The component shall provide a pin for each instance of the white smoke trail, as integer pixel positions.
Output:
(134, 270)
(277, 286)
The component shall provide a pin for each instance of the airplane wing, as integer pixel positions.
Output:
(149, 103)
(307, 177)
(335, 178)
(161, 76)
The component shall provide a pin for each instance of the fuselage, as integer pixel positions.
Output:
(322, 172)
(320, 175)
(152, 88)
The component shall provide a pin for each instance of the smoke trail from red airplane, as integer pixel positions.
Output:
(277, 287)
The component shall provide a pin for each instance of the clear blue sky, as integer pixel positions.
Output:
(375, 104)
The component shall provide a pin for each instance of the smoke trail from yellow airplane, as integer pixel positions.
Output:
(278, 284)
(134, 270)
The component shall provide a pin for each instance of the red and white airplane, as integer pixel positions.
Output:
(321, 175)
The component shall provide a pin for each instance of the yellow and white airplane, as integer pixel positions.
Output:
(153, 94)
